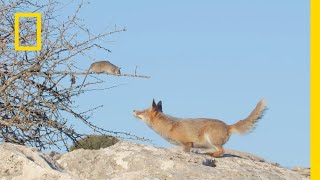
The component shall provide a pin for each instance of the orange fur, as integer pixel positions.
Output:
(203, 133)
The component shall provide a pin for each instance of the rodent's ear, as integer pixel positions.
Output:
(159, 106)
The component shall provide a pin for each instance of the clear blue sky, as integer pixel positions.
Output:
(212, 59)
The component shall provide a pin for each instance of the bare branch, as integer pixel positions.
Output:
(84, 73)
(38, 88)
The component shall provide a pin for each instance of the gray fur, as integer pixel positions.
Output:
(105, 67)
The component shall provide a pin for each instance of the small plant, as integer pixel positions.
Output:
(94, 142)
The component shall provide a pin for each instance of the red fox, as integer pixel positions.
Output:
(209, 134)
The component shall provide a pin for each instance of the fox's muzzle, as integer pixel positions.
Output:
(135, 114)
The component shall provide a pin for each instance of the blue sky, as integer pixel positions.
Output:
(212, 59)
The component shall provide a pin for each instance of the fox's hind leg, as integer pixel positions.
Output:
(218, 152)
(187, 146)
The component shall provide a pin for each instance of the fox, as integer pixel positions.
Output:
(198, 133)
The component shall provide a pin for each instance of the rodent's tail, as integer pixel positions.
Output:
(84, 79)
(247, 124)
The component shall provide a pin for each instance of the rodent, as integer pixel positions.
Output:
(102, 67)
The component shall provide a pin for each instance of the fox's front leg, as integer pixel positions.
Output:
(187, 146)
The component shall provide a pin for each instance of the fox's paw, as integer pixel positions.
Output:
(216, 154)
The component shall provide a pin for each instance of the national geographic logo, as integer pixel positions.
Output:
(17, 46)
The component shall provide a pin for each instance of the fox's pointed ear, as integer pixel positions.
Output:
(154, 104)
(159, 106)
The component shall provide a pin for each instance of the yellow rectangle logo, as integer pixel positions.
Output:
(16, 32)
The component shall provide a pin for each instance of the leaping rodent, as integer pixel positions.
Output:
(102, 67)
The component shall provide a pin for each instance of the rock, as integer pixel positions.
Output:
(126, 160)
(21, 162)
(302, 170)
(54, 155)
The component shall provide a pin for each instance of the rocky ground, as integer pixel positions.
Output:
(126, 160)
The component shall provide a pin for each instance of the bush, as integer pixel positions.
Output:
(94, 142)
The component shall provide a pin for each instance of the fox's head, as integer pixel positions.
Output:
(148, 114)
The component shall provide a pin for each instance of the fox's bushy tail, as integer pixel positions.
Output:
(247, 124)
